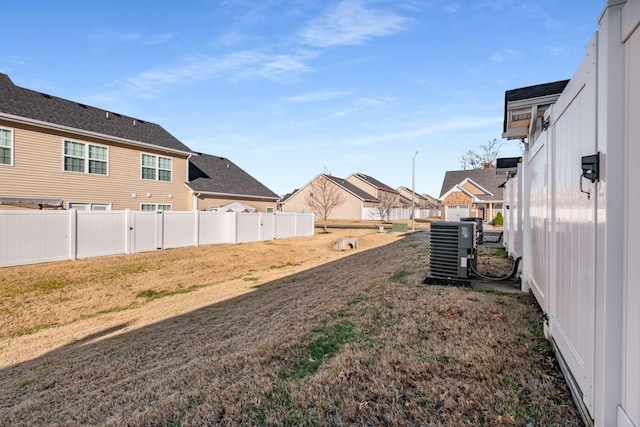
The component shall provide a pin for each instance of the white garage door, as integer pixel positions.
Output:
(455, 212)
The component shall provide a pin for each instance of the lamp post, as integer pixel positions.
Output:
(413, 192)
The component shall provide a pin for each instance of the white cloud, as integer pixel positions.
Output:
(351, 23)
(158, 39)
(455, 123)
(452, 8)
(322, 95)
(124, 37)
(505, 55)
(239, 65)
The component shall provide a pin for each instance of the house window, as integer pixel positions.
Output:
(152, 207)
(6, 147)
(90, 206)
(157, 168)
(85, 158)
(269, 210)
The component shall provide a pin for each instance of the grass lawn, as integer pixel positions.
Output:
(287, 332)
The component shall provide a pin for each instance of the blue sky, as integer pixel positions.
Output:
(288, 88)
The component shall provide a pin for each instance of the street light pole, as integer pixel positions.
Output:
(413, 192)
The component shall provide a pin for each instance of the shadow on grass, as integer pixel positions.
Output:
(116, 375)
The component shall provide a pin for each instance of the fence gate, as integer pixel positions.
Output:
(572, 306)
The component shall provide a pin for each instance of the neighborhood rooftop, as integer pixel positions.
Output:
(219, 175)
(353, 189)
(17, 103)
(486, 178)
(379, 185)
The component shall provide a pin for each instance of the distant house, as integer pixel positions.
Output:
(426, 206)
(420, 200)
(218, 184)
(357, 201)
(388, 197)
(471, 193)
(56, 153)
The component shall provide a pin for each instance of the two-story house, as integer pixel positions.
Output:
(56, 153)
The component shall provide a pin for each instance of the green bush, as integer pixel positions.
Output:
(498, 220)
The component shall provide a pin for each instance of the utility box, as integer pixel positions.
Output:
(398, 227)
(453, 249)
(479, 228)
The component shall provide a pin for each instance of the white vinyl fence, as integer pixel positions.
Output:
(398, 213)
(580, 236)
(29, 237)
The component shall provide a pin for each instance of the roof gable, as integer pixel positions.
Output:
(486, 180)
(17, 103)
(220, 176)
(351, 188)
(378, 185)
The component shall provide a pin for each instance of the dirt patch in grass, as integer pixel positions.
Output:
(326, 338)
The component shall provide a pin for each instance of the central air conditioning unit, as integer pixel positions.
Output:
(453, 252)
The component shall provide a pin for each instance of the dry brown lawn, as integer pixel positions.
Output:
(286, 332)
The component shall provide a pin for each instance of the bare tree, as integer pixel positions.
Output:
(387, 201)
(323, 197)
(484, 158)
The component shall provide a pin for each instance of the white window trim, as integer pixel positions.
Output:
(86, 156)
(11, 146)
(157, 167)
(155, 206)
(90, 205)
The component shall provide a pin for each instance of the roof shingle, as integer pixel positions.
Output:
(219, 175)
(29, 104)
(486, 178)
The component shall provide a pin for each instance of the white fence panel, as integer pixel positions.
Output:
(631, 266)
(29, 237)
(305, 225)
(179, 229)
(268, 226)
(100, 233)
(537, 233)
(511, 219)
(216, 227)
(286, 226)
(33, 237)
(572, 313)
(146, 226)
(248, 227)
(371, 214)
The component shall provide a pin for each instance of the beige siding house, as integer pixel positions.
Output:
(353, 208)
(56, 153)
(217, 184)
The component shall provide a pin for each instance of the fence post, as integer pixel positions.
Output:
(235, 224)
(127, 231)
(160, 230)
(197, 228)
(73, 234)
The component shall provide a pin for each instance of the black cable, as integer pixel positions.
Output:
(510, 276)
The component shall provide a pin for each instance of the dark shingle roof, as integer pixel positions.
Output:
(377, 184)
(29, 104)
(219, 175)
(486, 178)
(353, 189)
(528, 92)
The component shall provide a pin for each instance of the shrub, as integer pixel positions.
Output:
(498, 220)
